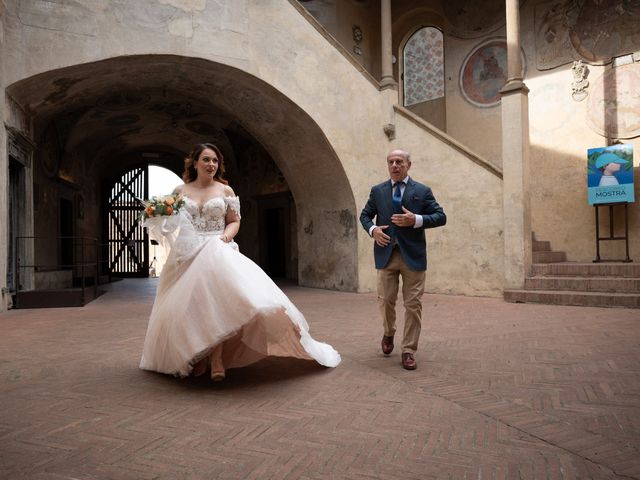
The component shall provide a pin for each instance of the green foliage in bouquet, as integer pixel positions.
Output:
(164, 205)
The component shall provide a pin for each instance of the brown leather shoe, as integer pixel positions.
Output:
(387, 345)
(408, 362)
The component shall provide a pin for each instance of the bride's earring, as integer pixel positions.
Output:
(217, 368)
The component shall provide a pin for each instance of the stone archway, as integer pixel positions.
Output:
(91, 114)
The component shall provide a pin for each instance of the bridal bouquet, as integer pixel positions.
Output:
(164, 205)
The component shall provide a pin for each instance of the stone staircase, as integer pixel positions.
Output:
(555, 281)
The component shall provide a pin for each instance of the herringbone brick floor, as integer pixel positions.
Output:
(502, 391)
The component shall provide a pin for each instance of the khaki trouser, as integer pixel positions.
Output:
(412, 290)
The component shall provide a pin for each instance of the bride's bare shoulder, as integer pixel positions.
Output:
(179, 189)
(228, 191)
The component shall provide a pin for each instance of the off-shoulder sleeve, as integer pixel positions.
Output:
(234, 204)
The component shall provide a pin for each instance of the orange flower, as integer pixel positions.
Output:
(169, 210)
(149, 210)
(169, 200)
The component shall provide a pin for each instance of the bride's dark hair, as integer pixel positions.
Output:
(190, 173)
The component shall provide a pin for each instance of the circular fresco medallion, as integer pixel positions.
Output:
(545, 113)
(613, 108)
(484, 73)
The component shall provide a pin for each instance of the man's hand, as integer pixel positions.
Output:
(381, 238)
(406, 219)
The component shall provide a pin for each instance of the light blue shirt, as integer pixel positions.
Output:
(403, 186)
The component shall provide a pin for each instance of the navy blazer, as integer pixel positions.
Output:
(418, 199)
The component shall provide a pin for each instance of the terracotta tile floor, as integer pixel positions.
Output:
(502, 391)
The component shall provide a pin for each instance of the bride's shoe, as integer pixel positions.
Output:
(217, 368)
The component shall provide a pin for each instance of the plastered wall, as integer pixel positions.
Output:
(561, 131)
(464, 256)
(318, 117)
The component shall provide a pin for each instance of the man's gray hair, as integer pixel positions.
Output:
(404, 153)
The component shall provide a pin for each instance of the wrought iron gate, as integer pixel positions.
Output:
(128, 242)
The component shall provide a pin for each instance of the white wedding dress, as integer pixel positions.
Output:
(210, 293)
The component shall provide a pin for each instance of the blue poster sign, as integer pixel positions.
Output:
(610, 174)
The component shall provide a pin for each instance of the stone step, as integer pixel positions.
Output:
(584, 299)
(584, 269)
(541, 246)
(62, 297)
(584, 284)
(549, 257)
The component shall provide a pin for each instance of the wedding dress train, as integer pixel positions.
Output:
(209, 293)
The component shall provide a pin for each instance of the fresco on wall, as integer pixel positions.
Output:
(591, 30)
(544, 114)
(610, 174)
(424, 66)
(484, 73)
(613, 108)
(71, 17)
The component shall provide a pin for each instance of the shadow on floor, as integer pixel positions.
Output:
(266, 371)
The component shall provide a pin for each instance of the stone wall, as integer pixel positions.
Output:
(317, 115)
(479, 128)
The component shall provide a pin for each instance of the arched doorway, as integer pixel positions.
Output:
(162, 181)
(129, 251)
(108, 115)
(127, 241)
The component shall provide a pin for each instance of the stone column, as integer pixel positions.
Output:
(4, 169)
(514, 60)
(515, 160)
(387, 80)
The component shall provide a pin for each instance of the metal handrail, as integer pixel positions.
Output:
(104, 261)
(92, 242)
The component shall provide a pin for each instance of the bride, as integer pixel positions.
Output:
(215, 309)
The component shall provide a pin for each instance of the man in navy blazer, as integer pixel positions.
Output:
(402, 209)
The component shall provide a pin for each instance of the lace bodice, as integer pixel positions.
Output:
(210, 217)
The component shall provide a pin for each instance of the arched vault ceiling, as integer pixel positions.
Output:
(121, 104)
